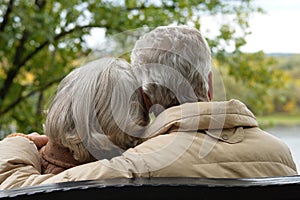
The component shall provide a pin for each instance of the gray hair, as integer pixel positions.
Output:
(175, 58)
(81, 116)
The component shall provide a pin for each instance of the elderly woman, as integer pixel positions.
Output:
(81, 124)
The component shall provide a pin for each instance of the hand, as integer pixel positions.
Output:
(39, 140)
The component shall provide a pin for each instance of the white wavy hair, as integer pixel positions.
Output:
(81, 116)
(174, 63)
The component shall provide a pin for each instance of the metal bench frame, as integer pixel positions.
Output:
(163, 188)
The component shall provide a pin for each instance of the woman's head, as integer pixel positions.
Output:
(87, 114)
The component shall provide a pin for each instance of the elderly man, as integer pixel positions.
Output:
(190, 136)
(193, 136)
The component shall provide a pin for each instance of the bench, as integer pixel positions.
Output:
(163, 188)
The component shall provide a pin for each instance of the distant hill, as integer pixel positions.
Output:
(281, 54)
(287, 61)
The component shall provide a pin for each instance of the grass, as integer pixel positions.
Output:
(279, 120)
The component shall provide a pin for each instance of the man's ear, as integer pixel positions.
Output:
(210, 87)
(146, 99)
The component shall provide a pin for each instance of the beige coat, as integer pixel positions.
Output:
(219, 139)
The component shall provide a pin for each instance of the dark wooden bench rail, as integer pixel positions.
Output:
(163, 188)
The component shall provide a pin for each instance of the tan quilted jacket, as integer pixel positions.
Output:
(205, 139)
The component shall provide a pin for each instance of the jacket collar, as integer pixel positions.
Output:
(222, 120)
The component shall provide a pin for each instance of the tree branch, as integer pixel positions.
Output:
(13, 71)
(57, 37)
(39, 104)
(6, 16)
(18, 63)
(21, 98)
(143, 7)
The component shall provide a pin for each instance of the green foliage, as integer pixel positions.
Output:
(287, 99)
(279, 120)
(267, 84)
(41, 41)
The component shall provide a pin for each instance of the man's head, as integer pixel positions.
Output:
(174, 55)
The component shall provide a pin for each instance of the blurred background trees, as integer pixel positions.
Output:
(41, 41)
